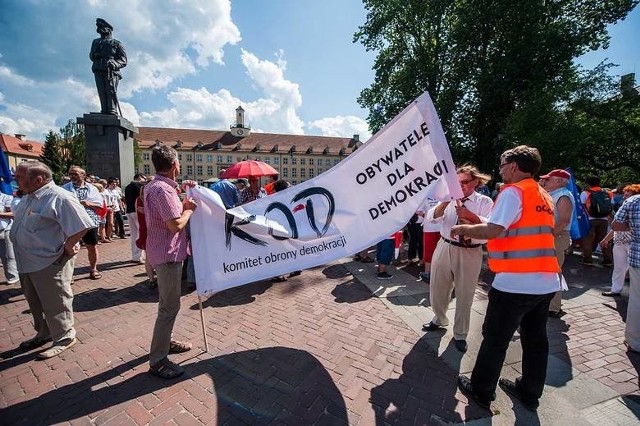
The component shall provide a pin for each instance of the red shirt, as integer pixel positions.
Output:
(162, 203)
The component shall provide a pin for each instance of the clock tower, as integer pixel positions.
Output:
(239, 129)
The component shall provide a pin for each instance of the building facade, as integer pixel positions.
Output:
(18, 149)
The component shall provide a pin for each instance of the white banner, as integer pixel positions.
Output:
(359, 202)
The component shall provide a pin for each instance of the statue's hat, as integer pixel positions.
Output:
(102, 23)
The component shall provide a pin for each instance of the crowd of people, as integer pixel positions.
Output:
(525, 227)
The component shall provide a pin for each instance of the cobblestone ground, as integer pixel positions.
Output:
(317, 349)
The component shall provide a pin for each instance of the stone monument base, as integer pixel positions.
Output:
(109, 146)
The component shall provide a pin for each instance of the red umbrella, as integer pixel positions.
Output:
(249, 168)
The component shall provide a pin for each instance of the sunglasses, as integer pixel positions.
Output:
(466, 181)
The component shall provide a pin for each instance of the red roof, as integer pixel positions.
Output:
(214, 140)
(20, 147)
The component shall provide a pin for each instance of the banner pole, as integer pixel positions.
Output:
(204, 335)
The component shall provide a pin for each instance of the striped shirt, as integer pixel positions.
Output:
(629, 213)
(162, 203)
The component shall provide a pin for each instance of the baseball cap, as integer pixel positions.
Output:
(557, 173)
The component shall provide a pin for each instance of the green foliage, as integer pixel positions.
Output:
(500, 72)
(73, 144)
(52, 156)
(137, 155)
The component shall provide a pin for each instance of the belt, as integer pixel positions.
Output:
(457, 244)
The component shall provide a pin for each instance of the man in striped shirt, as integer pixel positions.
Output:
(166, 217)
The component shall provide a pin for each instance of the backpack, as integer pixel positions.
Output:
(600, 204)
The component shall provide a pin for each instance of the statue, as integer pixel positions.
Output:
(108, 57)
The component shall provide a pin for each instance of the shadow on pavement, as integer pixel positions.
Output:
(9, 293)
(425, 393)
(351, 292)
(235, 296)
(91, 299)
(264, 386)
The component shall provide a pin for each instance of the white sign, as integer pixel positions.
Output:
(359, 202)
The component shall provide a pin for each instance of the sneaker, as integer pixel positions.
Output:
(384, 276)
(13, 281)
(425, 276)
(57, 348)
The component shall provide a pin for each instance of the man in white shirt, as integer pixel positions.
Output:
(457, 262)
(6, 247)
(521, 252)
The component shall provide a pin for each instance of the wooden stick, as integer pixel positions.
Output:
(204, 335)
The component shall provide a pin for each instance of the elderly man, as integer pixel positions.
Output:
(48, 224)
(457, 262)
(627, 218)
(166, 218)
(521, 253)
(555, 183)
(91, 200)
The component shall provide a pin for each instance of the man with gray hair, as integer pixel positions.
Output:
(48, 224)
(555, 183)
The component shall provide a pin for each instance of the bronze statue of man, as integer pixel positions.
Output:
(108, 57)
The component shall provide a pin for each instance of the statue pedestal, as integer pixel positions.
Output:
(109, 146)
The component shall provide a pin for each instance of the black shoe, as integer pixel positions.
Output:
(431, 327)
(611, 294)
(464, 384)
(607, 264)
(558, 314)
(461, 345)
(512, 389)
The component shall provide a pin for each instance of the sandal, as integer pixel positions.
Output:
(95, 275)
(177, 347)
(166, 369)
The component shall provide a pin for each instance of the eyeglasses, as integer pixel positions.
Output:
(505, 164)
(466, 181)
(75, 174)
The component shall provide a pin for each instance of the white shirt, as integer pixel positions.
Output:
(506, 211)
(428, 226)
(476, 203)
(5, 201)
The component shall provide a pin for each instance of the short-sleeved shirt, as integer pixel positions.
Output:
(42, 222)
(227, 192)
(162, 203)
(629, 213)
(506, 211)
(86, 192)
(131, 193)
(5, 202)
(476, 203)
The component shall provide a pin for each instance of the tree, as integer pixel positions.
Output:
(485, 63)
(137, 155)
(73, 144)
(52, 156)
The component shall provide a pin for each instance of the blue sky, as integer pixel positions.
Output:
(291, 64)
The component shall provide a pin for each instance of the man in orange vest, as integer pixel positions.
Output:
(521, 253)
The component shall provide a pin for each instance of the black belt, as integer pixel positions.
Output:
(457, 244)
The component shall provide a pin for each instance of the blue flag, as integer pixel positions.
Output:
(580, 225)
(5, 176)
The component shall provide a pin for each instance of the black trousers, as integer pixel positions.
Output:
(119, 223)
(415, 241)
(505, 312)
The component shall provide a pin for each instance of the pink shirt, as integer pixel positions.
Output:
(162, 203)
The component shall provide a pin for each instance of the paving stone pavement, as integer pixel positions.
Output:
(332, 346)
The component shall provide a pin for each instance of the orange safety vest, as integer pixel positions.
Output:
(528, 244)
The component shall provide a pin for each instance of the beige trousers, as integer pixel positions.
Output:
(458, 267)
(562, 242)
(48, 293)
(169, 281)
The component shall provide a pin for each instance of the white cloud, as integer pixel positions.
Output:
(275, 112)
(341, 126)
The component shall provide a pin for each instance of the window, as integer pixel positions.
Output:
(294, 173)
(219, 158)
(276, 160)
(303, 161)
(198, 158)
(146, 169)
(327, 162)
(199, 170)
(229, 158)
(294, 160)
(303, 173)
(336, 161)
(146, 156)
(285, 160)
(190, 170)
(209, 158)
(179, 157)
(285, 172)
(189, 157)
(267, 160)
(311, 173)
(294, 182)
(319, 170)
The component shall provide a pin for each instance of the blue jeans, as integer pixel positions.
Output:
(505, 312)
